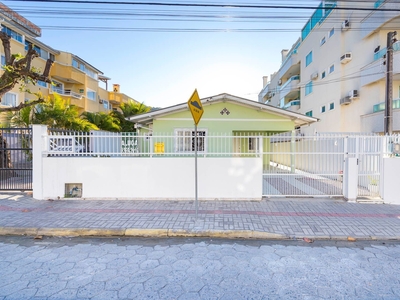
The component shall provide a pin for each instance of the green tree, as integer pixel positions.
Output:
(104, 121)
(129, 109)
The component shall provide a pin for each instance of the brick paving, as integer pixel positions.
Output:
(319, 218)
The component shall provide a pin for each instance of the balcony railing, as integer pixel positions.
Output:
(381, 106)
(63, 92)
(382, 52)
(295, 77)
(378, 3)
(291, 103)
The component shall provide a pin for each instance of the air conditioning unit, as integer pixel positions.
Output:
(279, 82)
(101, 101)
(353, 94)
(345, 58)
(345, 25)
(345, 101)
(314, 76)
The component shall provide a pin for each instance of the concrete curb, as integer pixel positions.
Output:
(162, 233)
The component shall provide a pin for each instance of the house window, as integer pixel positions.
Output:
(309, 88)
(323, 109)
(185, 140)
(323, 40)
(331, 69)
(309, 113)
(9, 99)
(331, 106)
(309, 58)
(42, 83)
(91, 95)
(331, 32)
(323, 75)
(106, 104)
(11, 33)
(75, 64)
(52, 57)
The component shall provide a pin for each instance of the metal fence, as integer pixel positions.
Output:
(15, 159)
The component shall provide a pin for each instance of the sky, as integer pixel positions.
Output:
(160, 54)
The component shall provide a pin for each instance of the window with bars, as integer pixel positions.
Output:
(185, 140)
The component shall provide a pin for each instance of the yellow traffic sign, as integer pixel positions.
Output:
(195, 106)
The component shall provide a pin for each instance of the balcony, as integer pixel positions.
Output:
(381, 106)
(292, 105)
(291, 65)
(74, 98)
(376, 71)
(115, 98)
(377, 18)
(67, 74)
(291, 87)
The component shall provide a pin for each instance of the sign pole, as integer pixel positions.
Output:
(195, 170)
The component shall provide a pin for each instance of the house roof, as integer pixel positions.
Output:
(298, 118)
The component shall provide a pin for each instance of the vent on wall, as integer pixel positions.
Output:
(345, 58)
(345, 101)
(314, 76)
(345, 25)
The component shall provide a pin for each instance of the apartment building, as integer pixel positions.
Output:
(74, 79)
(336, 70)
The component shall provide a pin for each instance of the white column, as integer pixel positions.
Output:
(350, 179)
(39, 144)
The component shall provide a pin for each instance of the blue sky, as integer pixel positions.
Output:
(163, 68)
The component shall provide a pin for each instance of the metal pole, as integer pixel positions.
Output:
(195, 169)
(388, 119)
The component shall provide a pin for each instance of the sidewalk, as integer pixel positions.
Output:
(278, 218)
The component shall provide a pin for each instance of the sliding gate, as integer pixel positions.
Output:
(15, 159)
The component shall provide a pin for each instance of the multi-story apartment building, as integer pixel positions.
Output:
(336, 70)
(74, 79)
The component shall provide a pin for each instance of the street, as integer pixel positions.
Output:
(133, 268)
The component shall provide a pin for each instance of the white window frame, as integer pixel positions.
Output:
(91, 91)
(5, 101)
(309, 58)
(323, 109)
(330, 106)
(332, 69)
(323, 41)
(184, 143)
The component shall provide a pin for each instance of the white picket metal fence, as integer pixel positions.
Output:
(294, 165)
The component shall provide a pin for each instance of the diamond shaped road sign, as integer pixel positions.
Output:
(195, 106)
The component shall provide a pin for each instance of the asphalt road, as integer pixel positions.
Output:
(104, 268)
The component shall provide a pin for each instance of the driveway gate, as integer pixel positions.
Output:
(15, 159)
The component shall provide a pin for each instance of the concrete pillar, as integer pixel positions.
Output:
(350, 179)
(39, 144)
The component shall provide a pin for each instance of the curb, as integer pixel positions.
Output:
(163, 233)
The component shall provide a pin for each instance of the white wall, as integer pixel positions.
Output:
(152, 178)
(391, 187)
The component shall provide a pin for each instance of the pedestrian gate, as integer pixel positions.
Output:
(15, 159)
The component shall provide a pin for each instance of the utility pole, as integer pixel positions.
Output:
(388, 119)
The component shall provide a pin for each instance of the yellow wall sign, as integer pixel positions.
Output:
(195, 106)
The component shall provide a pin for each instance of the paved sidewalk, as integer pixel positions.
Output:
(279, 218)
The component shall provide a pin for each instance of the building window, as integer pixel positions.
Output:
(9, 99)
(42, 83)
(309, 113)
(309, 58)
(106, 104)
(185, 140)
(52, 57)
(75, 64)
(331, 69)
(57, 87)
(323, 109)
(11, 33)
(323, 75)
(309, 88)
(323, 40)
(331, 106)
(332, 32)
(91, 95)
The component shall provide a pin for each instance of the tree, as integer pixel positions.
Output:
(130, 109)
(19, 69)
(55, 113)
(104, 121)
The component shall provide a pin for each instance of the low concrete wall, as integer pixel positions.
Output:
(151, 178)
(391, 174)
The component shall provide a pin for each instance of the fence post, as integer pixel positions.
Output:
(350, 179)
(39, 144)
